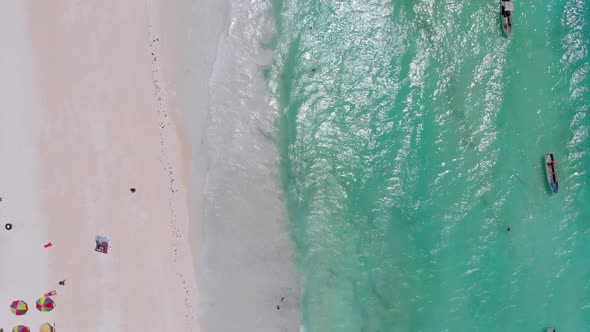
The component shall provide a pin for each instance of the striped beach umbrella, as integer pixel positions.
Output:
(20, 328)
(19, 307)
(45, 303)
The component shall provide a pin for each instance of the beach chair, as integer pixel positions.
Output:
(102, 244)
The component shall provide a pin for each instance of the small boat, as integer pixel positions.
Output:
(551, 329)
(507, 10)
(551, 172)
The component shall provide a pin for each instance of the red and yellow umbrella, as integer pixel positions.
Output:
(45, 303)
(19, 307)
(20, 328)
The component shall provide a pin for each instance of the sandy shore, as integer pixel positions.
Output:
(245, 262)
(86, 116)
(102, 97)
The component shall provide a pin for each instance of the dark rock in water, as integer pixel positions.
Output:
(132, 190)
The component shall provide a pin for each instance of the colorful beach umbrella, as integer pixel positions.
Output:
(20, 328)
(19, 307)
(45, 303)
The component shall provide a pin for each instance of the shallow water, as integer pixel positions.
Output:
(410, 144)
(239, 234)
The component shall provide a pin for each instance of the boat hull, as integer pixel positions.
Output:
(551, 171)
(507, 25)
(506, 11)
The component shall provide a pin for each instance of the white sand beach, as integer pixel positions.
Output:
(168, 98)
(85, 117)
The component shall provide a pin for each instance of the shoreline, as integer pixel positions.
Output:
(189, 80)
(245, 257)
(169, 99)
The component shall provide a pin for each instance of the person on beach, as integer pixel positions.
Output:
(62, 282)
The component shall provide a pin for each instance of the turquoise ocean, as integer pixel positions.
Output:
(412, 134)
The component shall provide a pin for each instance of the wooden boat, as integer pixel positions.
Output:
(551, 172)
(507, 10)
